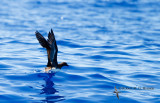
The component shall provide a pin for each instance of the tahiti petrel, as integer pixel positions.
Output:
(52, 49)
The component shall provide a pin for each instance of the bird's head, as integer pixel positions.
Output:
(64, 64)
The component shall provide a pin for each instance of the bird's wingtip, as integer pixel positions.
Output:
(51, 30)
(36, 32)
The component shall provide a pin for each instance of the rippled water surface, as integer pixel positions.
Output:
(107, 43)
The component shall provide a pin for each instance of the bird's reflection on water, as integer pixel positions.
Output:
(49, 90)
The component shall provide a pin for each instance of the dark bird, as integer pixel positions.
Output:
(52, 49)
(116, 91)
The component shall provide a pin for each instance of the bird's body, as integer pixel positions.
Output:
(52, 49)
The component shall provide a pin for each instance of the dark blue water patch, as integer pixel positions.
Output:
(97, 57)
(5, 66)
(38, 4)
(58, 79)
(2, 44)
(21, 42)
(11, 58)
(103, 86)
(132, 19)
(25, 77)
(127, 100)
(136, 47)
(152, 44)
(7, 98)
(156, 98)
(104, 47)
(64, 77)
(114, 4)
(110, 71)
(156, 29)
(74, 69)
(24, 89)
(101, 30)
(79, 54)
(106, 98)
(125, 32)
(72, 29)
(98, 70)
(152, 52)
(146, 40)
(156, 68)
(78, 100)
(34, 4)
(16, 26)
(38, 66)
(100, 98)
(144, 76)
(151, 61)
(98, 76)
(44, 75)
(75, 78)
(90, 26)
(127, 62)
(53, 99)
(67, 43)
(77, 86)
(4, 14)
(113, 99)
(151, 4)
(31, 65)
(118, 58)
(136, 11)
(100, 57)
(59, 3)
(74, 6)
(117, 53)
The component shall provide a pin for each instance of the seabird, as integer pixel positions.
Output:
(116, 91)
(52, 50)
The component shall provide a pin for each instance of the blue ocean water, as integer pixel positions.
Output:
(107, 43)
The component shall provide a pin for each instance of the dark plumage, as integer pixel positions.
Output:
(52, 49)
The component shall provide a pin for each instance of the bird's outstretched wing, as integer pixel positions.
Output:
(117, 95)
(42, 40)
(54, 49)
(115, 88)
